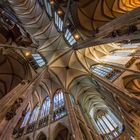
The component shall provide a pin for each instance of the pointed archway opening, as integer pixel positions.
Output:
(62, 133)
(42, 136)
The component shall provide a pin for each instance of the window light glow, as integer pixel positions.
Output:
(39, 60)
(35, 114)
(58, 21)
(48, 7)
(107, 126)
(69, 37)
(26, 118)
(105, 71)
(45, 108)
(59, 106)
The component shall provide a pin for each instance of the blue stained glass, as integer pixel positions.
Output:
(39, 60)
(107, 126)
(58, 105)
(45, 108)
(69, 37)
(35, 114)
(105, 71)
(26, 118)
(58, 21)
(48, 7)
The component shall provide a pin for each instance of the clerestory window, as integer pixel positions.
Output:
(39, 60)
(69, 37)
(106, 72)
(45, 108)
(58, 21)
(48, 7)
(25, 120)
(59, 105)
(35, 114)
(108, 125)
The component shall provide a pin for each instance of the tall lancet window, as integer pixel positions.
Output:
(106, 72)
(58, 19)
(69, 37)
(108, 125)
(43, 118)
(59, 105)
(25, 120)
(48, 7)
(70, 34)
(45, 108)
(33, 119)
(34, 115)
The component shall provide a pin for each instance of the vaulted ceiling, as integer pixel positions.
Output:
(12, 72)
(67, 68)
(95, 13)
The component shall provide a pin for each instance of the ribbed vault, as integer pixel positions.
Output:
(95, 13)
(69, 69)
(11, 76)
(85, 92)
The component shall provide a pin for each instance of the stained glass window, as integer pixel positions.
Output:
(108, 125)
(58, 21)
(39, 60)
(45, 108)
(59, 105)
(35, 114)
(69, 37)
(26, 118)
(48, 7)
(106, 72)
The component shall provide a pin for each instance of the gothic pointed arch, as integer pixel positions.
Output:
(13, 69)
(41, 136)
(62, 133)
(59, 109)
(132, 84)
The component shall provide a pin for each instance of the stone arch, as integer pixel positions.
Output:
(56, 92)
(132, 83)
(41, 136)
(13, 70)
(62, 133)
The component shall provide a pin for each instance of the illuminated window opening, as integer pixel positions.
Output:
(69, 37)
(58, 21)
(48, 7)
(45, 108)
(108, 125)
(106, 72)
(59, 106)
(26, 118)
(34, 115)
(39, 60)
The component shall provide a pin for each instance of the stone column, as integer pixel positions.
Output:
(76, 132)
(90, 137)
(50, 120)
